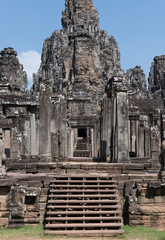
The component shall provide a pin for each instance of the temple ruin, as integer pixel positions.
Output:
(82, 150)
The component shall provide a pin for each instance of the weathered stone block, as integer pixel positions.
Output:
(4, 221)
(33, 208)
(17, 212)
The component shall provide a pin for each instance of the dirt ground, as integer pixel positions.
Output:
(29, 238)
(55, 238)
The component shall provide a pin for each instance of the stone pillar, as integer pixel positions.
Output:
(70, 137)
(162, 154)
(155, 146)
(115, 131)
(33, 128)
(45, 119)
(141, 141)
(1, 152)
(7, 143)
(106, 129)
(58, 129)
(117, 91)
(15, 144)
(122, 126)
(133, 134)
(92, 143)
(148, 143)
(26, 138)
(2, 167)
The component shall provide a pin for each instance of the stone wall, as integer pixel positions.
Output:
(147, 205)
(23, 201)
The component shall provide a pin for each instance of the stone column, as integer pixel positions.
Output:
(155, 146)
(7, 143)
(117, 91)
(1, 153)
(133, 135)
(141, 131)
(15, 144)
(122, 126)
(33, 134)
(106, 127)
(45, 119)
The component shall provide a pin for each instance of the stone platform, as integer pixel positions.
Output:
(74, 167)
(24, 190)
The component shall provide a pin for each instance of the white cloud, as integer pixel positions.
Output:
(31, 61)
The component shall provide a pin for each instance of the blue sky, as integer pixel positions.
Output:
(137, 25)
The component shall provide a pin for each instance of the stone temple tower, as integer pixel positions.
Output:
(80, 15)
(79, 63)
(72, 148)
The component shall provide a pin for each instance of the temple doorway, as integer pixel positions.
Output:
(83, 142)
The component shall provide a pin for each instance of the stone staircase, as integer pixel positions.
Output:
(82, 149)
(83, 205)
(82, 153)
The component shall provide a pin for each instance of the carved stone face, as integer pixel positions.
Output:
(3, 77)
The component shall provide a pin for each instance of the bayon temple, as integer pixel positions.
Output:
(82, 151)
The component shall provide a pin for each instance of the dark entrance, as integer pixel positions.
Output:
(82, 133)
(83, 146)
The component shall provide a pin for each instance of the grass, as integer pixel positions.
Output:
(28, 231)
(140, 233)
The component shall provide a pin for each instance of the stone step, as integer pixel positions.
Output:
(83, 218)
(81, 153)
(88, 233)
(82, 225)
(82, 146)
(93, 176)
(109, 196)
(27, 220)
(83, 191)
(84, 207)
(87, 212)
(19, 225)
(107, 201)
(80, 159)
(83, 186)
(83, 204)
(97, 181)
(16, 225)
